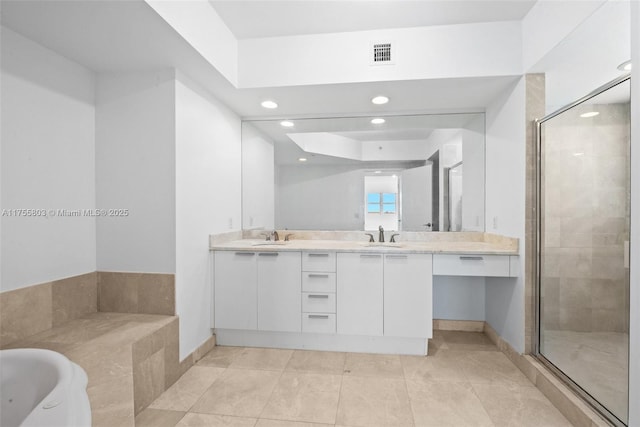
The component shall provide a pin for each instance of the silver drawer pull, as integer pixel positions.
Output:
(319, 275)
(268, 254)
(397, 256)
(245, 253)
(370, 256)
(471, 258)
(318, 296)
(318, 316)
(318, 254)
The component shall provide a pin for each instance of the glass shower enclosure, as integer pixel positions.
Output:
(583, 234)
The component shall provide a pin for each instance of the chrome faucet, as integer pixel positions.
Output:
(275, 236)
(393, 238)
(381, 235)
(370, 237)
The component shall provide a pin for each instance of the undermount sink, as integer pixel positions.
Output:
(383, 245)
(269, 243)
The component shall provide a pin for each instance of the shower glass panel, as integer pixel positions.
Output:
(583, 230)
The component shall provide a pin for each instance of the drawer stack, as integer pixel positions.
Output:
(319, 292)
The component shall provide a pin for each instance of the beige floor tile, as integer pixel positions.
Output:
(220, 356)
(158, 418)
(268, 359)
(442, 404)
(182, 395)
(373, 365)
(210, 420)
(427, 368)
(370, 401)
(325, 362)
(489, 367)
(517, 406)
(262, 422)
(239, 392)
(304, 397)
(467, 341)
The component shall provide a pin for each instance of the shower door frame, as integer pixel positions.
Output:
(595, 404)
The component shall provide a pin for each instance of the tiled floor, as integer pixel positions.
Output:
(598, 361)
(465, 381)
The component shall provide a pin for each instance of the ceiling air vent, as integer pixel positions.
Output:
(381, 53)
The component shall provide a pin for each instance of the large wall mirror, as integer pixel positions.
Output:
(406, 173)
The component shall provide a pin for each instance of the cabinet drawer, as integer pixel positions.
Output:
(471, 265)
(319, 323)
(318, 302)
(318, 282)
(319, 261)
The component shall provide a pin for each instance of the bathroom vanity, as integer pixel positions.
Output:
(343, 295)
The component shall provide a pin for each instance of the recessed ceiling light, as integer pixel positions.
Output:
(578, 154)
(377, 172)
(377, 121)
(379, 100)
(589, 114)
(286, 123)
(625, 66)
(269, 104)
(302, 159)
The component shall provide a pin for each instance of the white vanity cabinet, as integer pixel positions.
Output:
(257, 291)
(386, 294)
(342, 299)
(360, 293)
(408, 295)
(235, 290)
(319, 292)
(279, 291)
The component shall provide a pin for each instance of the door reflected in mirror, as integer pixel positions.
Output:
(329, 190)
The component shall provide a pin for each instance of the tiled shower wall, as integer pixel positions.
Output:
(587, 217)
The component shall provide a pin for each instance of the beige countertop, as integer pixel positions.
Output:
(490, 247)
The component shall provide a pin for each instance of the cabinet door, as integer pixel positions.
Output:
(235, 287)
(279, 291)
(359, 294)
(408, 295)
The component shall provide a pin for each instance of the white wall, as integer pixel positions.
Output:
(505, 207)
(634, 329)
(458, 298)
(208, 191)
(48, 162)
(258, 179)
(571, 70)
(201, 26)
(135, 170)
(548, 23)
(447, 51)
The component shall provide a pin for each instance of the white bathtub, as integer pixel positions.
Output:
(42, 388)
